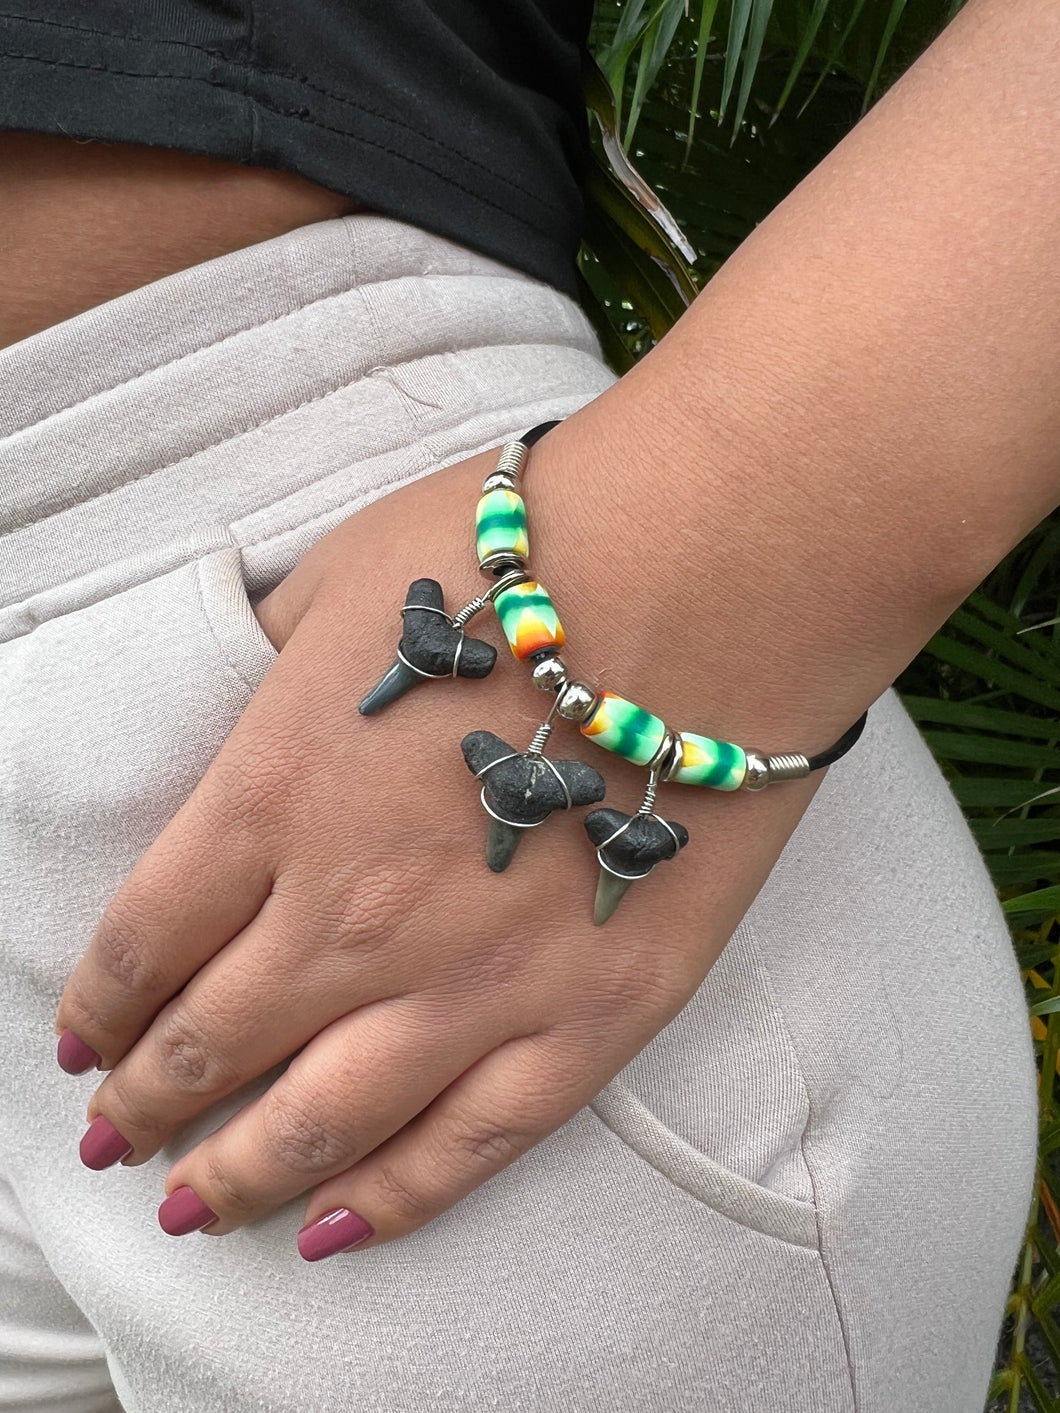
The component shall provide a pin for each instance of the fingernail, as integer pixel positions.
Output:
(103, 1145)
(335, 1231)
(184, 1211)
(74, 1056)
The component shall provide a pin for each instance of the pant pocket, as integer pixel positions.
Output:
(111, 715)
(237, 635)
(725, 1192)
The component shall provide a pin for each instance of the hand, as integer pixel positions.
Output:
(324, 891)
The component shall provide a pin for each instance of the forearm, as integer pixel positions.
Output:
(757, 528)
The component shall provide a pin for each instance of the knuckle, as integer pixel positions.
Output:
(490, 1145)
(405, 1204)
(302, 1143)
(186, 1059)
(120, 951)
(639, 982)
(250, 787)
(496, 961)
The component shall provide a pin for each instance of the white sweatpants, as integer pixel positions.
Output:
(805, 1195)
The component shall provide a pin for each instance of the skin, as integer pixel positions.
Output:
(770, 515)
(83, 222)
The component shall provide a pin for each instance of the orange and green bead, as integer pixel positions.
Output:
(624, 728)
(529, 619)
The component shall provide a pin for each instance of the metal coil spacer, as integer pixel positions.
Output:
(502, 563)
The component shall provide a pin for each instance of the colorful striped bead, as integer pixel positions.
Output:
(529, 619)
(625, 728)
(718, 764)
(500, 525)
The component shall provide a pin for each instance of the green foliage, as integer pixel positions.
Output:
(705, 114)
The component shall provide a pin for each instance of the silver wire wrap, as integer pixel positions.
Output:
(508, 581)
(659, 760)
(468, 611)
(535, 752)
(432, 675)
(429, 608)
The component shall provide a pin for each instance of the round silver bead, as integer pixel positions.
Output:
(757, 777)
(576, 701)
(499, 481)
(550, 674)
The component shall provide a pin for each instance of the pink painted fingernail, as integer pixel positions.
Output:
(74, 1056)
(335, 1231)
(184, 1211)
(103, 1145)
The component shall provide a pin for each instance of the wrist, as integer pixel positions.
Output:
(775, 635)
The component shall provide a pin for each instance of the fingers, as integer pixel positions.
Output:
(295, 969)
(355, 1084)
(490, 1116)
(250, 1007)
(186, 897)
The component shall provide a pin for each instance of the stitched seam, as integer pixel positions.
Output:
(826, 1268)
(782, 1019)
(225, 655)
(432, 466)
(226, 338)
(676, 1182)
(170, 465)
(293, 77)
(243, 545)
(223, 441)
(296, 117)
(112, 34)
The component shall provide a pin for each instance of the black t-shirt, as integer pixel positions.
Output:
(464, 117)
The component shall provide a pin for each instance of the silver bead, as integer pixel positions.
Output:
(576, 701)
(757, 777)
(668, 757)
(550, 674)
(499, 481)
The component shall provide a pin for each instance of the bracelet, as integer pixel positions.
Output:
(521, 789)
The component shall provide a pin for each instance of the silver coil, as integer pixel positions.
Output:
(787, 767)
(541, 735)
(507, 581)
(512, 459)
(468, 611)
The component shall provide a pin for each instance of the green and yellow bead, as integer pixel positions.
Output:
(717, 764)
(500, 525)
(529, 619)
(625, 728)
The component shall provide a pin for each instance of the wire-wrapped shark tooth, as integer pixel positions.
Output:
(628, 847)
(521, 789)
(432, 645)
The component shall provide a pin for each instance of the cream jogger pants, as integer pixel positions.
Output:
(805, 1195)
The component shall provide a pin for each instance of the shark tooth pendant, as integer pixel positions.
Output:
(628, 847)
(520, 789)
(433, 644)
